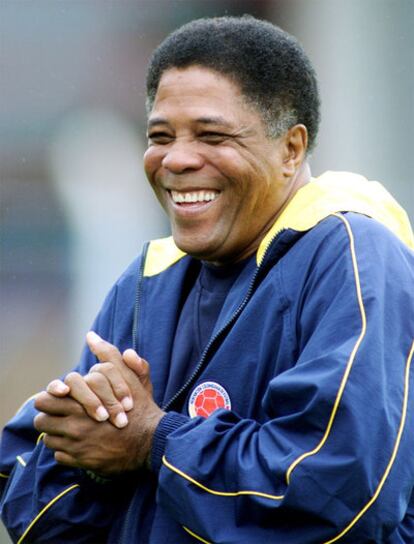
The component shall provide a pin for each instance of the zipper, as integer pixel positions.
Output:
(204, 355)
(223, 330)
(138, 297)
(137, 308)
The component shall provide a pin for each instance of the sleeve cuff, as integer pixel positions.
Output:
(169, 423)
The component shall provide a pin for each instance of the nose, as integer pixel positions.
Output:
(182, 157)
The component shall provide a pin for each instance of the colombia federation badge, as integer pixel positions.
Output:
(206, 398)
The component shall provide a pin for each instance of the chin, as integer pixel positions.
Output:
(197, 249)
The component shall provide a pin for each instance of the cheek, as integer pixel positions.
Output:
(241, 169)
(152, 161)
(226, 159)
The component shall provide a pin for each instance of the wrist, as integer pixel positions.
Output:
(170, 422)
(152, 425)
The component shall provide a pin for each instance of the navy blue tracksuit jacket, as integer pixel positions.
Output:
(310, 365)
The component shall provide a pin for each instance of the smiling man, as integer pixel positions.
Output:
(217, 174)
(248, 379)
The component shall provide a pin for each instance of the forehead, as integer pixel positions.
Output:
(199, 91)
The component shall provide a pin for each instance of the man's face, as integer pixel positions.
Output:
(211, 165)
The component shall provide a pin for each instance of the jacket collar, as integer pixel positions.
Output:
(335, 192)
(330, 193)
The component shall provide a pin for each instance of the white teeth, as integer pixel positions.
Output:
(194, 196)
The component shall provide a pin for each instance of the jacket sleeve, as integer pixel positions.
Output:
(42, 501)
(333, 462)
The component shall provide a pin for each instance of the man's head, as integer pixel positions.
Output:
(221, 164)
(269, 65)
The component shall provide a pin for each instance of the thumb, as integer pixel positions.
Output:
(139, 366)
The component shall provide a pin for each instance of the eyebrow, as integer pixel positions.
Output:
(215, 120)
(157, 121)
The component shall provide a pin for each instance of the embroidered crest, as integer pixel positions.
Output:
(206, 398)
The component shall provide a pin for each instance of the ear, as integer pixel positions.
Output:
(294, 151)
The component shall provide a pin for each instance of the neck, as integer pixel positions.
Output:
(301, 177)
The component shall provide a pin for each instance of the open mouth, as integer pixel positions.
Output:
(185, 198)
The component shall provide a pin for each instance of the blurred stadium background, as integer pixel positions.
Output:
(74, 205)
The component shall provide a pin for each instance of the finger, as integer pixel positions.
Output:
(45, 402)
(64, 458)
(74, 428)
(99, 384)
(81, 392)
(139, 366)
(103, 350)
(106, 352)
(52, 425)
(55, 442)
(57, 388)
(117, 381)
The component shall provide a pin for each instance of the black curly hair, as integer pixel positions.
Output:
(268, 64)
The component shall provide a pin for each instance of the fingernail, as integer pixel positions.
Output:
(131, 352)
(101, 414)
(57, 386)
(62, 387)
(127, 403)
(93, 337)
(121, 420)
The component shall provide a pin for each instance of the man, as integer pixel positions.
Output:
(277, 324)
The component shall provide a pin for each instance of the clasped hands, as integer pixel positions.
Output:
(103, 421)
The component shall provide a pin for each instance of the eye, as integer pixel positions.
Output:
(159, 138)
(211, 137)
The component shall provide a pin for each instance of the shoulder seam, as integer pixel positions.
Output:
(350, 361)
